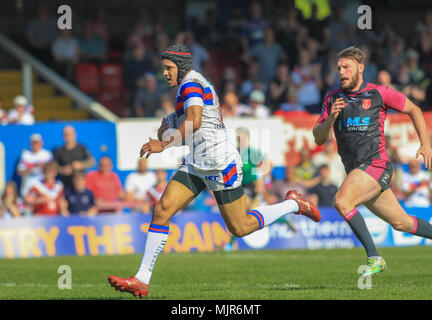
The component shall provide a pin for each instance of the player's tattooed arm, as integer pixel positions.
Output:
(419, 123)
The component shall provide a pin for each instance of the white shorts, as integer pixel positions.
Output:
(218, 180)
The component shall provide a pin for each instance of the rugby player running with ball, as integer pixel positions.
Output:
(213, 162)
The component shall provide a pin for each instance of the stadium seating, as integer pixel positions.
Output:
(113, 100)
(47, 104)
(87, 78)
(112, 93)
(111, 76)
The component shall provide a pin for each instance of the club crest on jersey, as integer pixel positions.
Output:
(366, 103)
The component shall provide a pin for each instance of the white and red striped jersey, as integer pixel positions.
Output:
(54, 192)
(212, 149)
(33, 161)
(155, 193)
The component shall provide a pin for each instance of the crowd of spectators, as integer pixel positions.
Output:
(319, 174)
(20, 113)
(287, 56)
(61, 182)
(259, 66)
(62, 49)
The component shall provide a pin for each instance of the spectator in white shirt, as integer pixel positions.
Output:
(332, 159)
(416, 186)
(20, 114)
(31, 163)
(256, 102)
(138, 183)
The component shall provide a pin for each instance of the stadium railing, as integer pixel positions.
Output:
(29, 63)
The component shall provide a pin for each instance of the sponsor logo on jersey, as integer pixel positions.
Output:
(212, 178)
(354, 124)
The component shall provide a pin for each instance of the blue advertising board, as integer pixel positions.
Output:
(385, 236)
(98, 136)
(106, 234)
(189, 231)
(331, 232)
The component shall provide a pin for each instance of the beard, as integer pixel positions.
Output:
(352, 82)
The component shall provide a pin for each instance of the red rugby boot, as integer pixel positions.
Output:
(306, 208)
(131, 285)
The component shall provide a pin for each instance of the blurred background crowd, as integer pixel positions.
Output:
(68, 180)
(264, 58)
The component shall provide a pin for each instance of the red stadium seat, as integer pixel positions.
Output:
(113, 93)
(111, 75)
(87, 77)
(115, 101)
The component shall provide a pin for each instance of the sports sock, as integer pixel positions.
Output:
(421, 228)
(266, 215)
(358, 226)
(156, 239)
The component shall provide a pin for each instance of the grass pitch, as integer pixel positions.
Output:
(245, 275)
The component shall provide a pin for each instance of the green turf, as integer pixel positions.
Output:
(281, 274)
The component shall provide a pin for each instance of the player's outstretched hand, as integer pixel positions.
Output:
(426, 152)
(154, 146)
(336, 107)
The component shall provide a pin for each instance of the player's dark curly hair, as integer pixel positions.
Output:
(181, 56)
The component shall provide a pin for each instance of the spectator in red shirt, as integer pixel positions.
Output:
(106, 187)
(47, 196)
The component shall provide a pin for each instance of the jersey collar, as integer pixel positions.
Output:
(185, 76)
(362, 86)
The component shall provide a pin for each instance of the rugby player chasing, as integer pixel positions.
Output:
(356, 112)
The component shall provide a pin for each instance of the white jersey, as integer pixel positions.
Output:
(27, 118)
(139, 183)
(210, 148)
(421, 183)
(33, 161)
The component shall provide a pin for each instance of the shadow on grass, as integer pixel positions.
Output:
(296, 288)
(123, 298)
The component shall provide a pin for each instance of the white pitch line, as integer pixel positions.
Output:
(44, 285)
